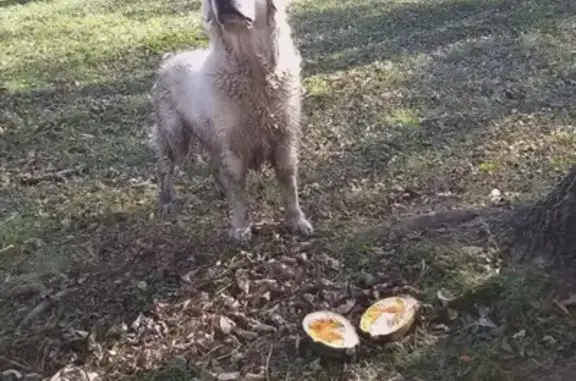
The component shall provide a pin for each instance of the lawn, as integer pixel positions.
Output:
(410, 106)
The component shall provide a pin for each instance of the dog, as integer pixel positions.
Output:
(241, 100)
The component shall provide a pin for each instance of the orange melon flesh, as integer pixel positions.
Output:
(330, 329)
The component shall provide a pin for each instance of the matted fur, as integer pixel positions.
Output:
(240, 98)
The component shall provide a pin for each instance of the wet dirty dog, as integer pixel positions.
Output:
(241, 99)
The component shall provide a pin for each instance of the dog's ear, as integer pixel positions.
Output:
(277, 5)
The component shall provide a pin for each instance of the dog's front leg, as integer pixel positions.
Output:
(285, 162)
(220, 178)
(233, 178)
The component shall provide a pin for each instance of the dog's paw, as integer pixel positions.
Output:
(299, 225)
(241, 235)
(165, 209)
(165, 204)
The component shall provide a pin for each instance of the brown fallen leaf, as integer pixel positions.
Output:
(343, 309)
(452, 314)
(278, 320)
(231, 303)
(254, 377)
(264, 328)
(37, 377)
(570, 302)
(561, 307)
(226, 325)
(189, 276)
(243, 281)
(247, 335)
(230, 376)
(302, 257)
(327, 260)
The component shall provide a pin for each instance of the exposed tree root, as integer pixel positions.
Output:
(543, 229)
(46, 304)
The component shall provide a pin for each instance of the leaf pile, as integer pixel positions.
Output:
(221, 318)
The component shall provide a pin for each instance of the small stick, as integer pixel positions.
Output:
(15, 363)
(46, 304)
(24, 290)
(5, 249)
(267, 369)
(53, 176)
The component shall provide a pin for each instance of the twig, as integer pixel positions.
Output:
(201, 371)
(15, 363)
(561, 307)
(540, 365)
(23, 290)
(267, 369)
(46, 304)
(570, 302)
(53, 176)
(5, 249)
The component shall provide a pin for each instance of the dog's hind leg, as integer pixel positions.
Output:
(221, 181)
(172, 142)
(166, 167)
(285, 163)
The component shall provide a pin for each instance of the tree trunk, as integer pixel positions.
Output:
(548, 227)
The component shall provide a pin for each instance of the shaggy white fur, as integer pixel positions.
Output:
(240, 98)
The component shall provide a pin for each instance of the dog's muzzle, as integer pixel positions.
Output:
(234, 11)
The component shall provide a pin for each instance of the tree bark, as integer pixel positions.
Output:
(548, 227)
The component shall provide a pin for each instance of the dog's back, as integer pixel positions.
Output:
(181, 87)
(181, 99)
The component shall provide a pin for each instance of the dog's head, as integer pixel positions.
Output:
(241, 14)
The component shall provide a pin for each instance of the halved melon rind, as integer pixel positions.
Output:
(389, 316)
(349, 336)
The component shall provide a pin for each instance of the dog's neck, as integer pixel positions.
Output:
(260, 49)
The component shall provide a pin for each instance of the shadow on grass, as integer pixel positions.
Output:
(58, 128)
(355, 33)
(9, 3)
(436, 98)
(497, 330)
(158, 8)
(117, 264)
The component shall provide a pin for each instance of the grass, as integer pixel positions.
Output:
(411, 106)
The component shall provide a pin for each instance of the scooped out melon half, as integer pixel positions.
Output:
(331, 332)
(389, 318)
